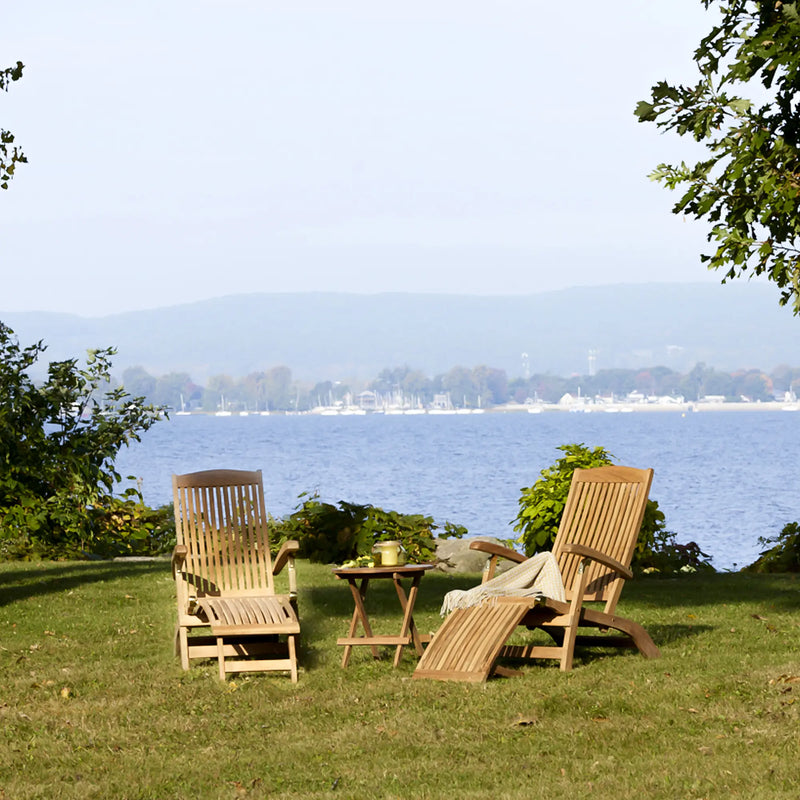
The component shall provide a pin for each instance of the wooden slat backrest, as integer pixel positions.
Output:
(604, 510)
(221, 518)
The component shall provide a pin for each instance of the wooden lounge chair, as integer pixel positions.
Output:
(224, 576)
(594, 547)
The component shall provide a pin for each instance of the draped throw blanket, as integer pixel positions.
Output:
(539, 575)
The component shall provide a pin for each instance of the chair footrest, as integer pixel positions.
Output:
(469, 641)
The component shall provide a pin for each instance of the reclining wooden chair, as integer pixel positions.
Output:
(224, 576)
(593, 548)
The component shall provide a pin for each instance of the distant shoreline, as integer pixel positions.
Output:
(540, 408)
(612, 408)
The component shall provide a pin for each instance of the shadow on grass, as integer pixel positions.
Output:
(778, 591)
(51, 579)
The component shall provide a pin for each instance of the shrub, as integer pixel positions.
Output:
(330, 533)
(784, 553)
(541, 507)
(58, 443)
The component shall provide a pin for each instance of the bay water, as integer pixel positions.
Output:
(722, 478)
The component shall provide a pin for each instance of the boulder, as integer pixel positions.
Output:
(454, 555)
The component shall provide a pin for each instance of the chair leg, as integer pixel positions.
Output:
(221, 657)
(182, 646)
(568, 646)
(291, 641)
(571, 630)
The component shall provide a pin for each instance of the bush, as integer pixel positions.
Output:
(336, 533)
(541, 507)
(58, 442)
(784, 553)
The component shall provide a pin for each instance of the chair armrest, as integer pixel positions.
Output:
(179, 555)
(498, 550)
(287, 551)
(596, 555)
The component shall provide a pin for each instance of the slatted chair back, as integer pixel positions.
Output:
(221, 518)
(604, 510)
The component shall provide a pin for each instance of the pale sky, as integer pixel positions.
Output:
(186, 150)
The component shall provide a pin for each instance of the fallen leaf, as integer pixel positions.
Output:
(757, 616)
(66, 692)
(706, 751)
(522, 721)
(692, 710)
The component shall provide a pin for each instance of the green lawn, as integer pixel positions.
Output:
(93, 703)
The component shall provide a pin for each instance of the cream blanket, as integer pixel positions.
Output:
(539, 575)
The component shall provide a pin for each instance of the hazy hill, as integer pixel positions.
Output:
(340, 336)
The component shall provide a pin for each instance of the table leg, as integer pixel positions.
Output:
(407, 603)
(359, 615)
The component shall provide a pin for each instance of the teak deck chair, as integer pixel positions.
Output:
(224, 575)
(594, 547)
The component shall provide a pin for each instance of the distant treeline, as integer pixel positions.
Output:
(276, 390)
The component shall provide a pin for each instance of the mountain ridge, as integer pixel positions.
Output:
(345, 336)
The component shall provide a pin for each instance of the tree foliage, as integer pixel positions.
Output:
(10, 153)
(58, 442)
(748, 188)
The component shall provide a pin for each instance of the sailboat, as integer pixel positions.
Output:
(183, 412)
(222, 411)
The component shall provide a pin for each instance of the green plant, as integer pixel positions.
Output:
(665, 555)
(541, 507)
(330, 533)
(58, 442)
(784, 553)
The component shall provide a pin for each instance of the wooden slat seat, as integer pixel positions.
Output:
(594, 548)
(469, 642)
(251, 615)
(224, 575)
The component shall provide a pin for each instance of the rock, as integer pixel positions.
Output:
(454, 555)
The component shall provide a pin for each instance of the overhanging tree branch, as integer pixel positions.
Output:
(749, 188)
(10, 153)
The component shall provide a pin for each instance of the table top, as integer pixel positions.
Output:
(381, 572)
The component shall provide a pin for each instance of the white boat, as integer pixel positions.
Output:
(183, 412)
(223, 412)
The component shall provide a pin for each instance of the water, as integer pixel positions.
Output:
(722, 478)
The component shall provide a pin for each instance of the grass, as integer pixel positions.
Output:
(93, 703)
